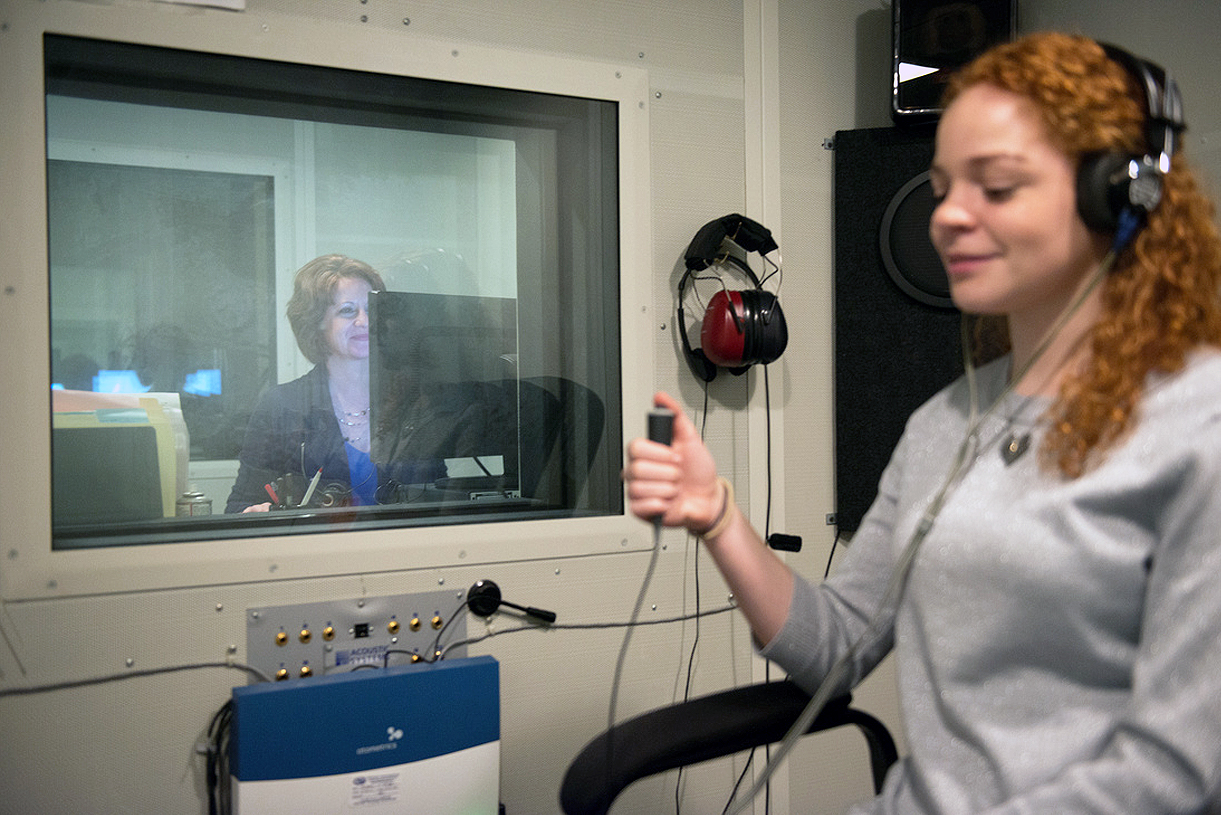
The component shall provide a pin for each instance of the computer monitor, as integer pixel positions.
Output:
(444, 404)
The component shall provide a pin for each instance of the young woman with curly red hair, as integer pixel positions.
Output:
(1159, 301)
(1054, 615)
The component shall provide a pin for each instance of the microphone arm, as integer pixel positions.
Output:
(530, 611)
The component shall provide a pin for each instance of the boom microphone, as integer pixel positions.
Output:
(484, 599)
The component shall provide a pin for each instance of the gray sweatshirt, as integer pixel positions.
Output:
(1058, 641)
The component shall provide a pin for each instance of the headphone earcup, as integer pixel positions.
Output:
(769, 333)
(743, 328)
(1115, 191)
(1102, 190)
(703, 368)
(723, 331)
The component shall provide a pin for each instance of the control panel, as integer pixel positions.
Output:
(313, 639)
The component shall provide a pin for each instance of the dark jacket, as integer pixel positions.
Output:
(292, 432)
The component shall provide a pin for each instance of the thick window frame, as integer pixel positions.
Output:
(37, 568)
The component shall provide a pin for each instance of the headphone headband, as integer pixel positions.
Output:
(705, 247)
(1163, 103)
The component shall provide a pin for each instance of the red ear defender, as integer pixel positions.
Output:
(739, 328)
(722, 334)
(743, 328)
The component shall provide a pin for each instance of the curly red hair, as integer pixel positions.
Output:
(1161, 299)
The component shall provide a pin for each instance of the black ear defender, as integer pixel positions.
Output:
(1113, 185)
(739, 328)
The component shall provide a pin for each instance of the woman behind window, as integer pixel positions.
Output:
(320, 421)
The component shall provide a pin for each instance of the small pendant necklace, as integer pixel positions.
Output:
(1014, 445)
(1016, 435)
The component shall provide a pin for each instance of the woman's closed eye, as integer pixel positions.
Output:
(999, 194)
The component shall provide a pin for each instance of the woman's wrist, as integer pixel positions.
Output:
(722, 518)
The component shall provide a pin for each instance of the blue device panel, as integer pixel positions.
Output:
(363, 720)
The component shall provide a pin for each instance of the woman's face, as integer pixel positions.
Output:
(346, 323)
(1006, 225)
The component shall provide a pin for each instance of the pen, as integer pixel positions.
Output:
(275, 499)
(309, 493)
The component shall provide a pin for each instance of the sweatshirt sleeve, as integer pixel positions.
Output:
(843, 615)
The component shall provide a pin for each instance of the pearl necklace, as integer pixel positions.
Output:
(359, 418)
(351, 418)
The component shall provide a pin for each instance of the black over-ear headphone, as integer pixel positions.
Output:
(739, 328)
(1110, 184)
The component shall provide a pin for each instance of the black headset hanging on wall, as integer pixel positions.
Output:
(1112, 186)
(739, 328)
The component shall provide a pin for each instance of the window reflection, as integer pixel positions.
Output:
(471, 375)
(158, 274)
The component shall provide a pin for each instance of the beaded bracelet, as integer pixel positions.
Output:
(722, 521)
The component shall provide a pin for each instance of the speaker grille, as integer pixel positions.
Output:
(907, 253)
(893, 348)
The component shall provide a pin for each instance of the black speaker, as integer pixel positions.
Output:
(933, 37)
(897, 335)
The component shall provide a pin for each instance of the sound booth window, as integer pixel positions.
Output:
(454, 354)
